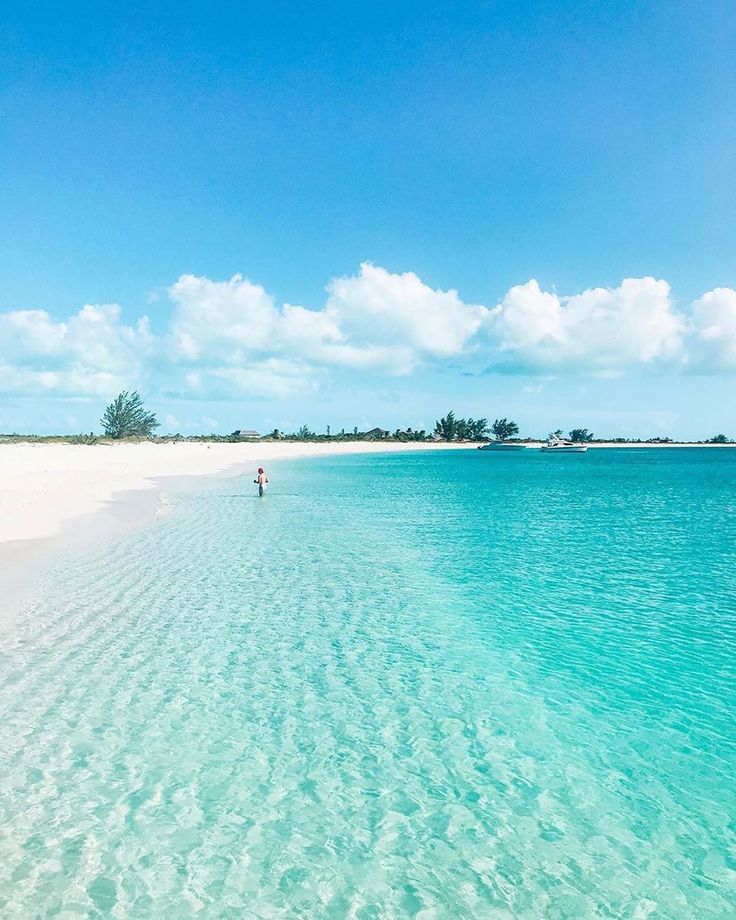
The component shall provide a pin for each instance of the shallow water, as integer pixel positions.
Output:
(433, 685)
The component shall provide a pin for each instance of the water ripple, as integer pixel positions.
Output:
(372, 695)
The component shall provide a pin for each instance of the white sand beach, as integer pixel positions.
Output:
(46, 486)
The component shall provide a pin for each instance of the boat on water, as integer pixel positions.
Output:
(560, 446)
(502, 445)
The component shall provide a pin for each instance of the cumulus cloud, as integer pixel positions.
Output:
(30, 332)
(714, 330)
(379, 308)
(229, 339)
(74, 381)
(373, 320)
(602, 330)
(220, 320)
(91, 353)
(317, 336)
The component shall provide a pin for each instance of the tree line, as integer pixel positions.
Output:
(451, 428)
(127, 417)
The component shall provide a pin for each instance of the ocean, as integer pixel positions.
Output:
(433, 685)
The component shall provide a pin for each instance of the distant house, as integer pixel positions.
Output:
(245, 433)
(375, 434)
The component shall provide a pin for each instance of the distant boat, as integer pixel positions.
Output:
(559, 446)
(502, 445)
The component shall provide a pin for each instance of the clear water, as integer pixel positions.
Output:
(437, 685)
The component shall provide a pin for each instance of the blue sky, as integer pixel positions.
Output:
(291, 196)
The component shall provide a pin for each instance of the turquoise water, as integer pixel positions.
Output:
(445, 685)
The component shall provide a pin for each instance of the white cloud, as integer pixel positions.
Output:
(30, 332)
(73, 381)
(91, 353)
(230, 339)
(237, 343)
(601, 330)
(381, 321)
(378, 308)
(374, 320)
(317, 336)
(714, 330)
(220, 320)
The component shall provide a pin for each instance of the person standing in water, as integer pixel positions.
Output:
(262, 480)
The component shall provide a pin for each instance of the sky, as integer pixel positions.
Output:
(264, 215)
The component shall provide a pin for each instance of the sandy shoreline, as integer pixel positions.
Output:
(60, 498)
(44, 487)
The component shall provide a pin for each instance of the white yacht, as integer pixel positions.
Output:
(560, 446)
(502, 445)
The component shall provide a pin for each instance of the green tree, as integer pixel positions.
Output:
(446, 427)
(471, 429)
(463, 428)
(478, 429)
(304, 433)
(503, 429)
(719, 439)
(581, 434)
(126, 417)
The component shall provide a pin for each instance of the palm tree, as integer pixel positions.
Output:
(581, 434)
(719, 439)
(503, 429)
